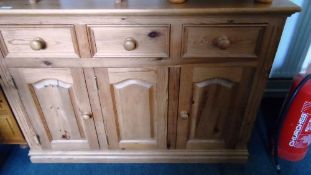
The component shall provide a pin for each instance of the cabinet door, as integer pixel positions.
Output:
(9, 130)
(57, 104)
(211, 106)
(134, 103)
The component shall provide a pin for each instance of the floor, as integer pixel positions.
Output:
(14, 160)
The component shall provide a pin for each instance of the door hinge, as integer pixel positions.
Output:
(96, 82)
(14, 83)
(37, 139)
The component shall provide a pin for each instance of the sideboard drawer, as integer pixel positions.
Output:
(221, 41)
(129, 40)
(39, 41)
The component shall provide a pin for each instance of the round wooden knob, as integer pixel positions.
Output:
(222, 42)
(86, 116)
(37, 44)
(184, 115)
(129, 44)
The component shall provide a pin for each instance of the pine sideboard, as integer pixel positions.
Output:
(138, 81)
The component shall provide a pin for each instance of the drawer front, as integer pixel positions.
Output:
(129, 41)
(221, 41)
(39, 41)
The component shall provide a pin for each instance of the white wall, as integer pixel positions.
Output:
(307, 60)
(295, 43)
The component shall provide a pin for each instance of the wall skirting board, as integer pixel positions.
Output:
(277, 87)
(173, 156)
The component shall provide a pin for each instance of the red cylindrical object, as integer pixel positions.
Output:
(295, 135)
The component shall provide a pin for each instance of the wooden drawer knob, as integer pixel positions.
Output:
(37, 44)
(184, 115)
(222, 42)
(86, 116)
(129, 44)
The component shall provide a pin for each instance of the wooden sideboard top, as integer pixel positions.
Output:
(144, 7)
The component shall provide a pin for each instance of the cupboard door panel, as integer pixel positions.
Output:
(211, 99)
(57, 103)
(211, 106)
(140, 94)
(58, 111)
(9, 130)
(134, 102)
